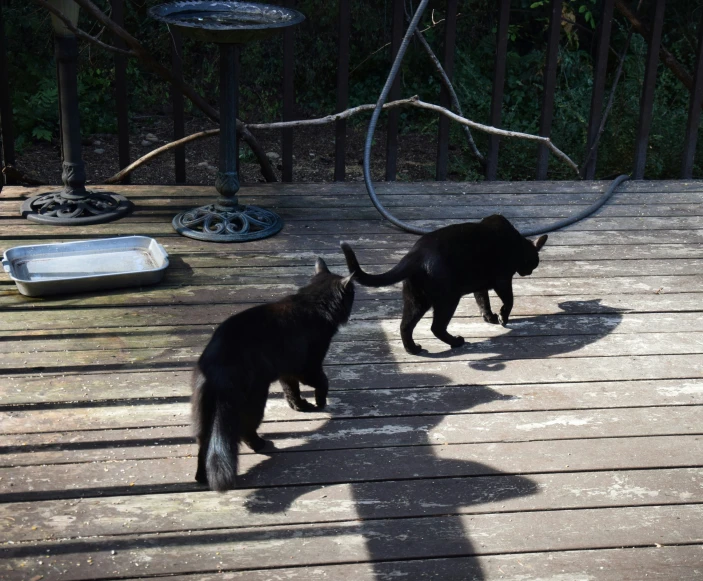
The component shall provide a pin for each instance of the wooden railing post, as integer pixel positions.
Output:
(694, 111)
(288, 99)
(550, 79)
(598, 85)
(7, 143)
(178, 106)
(498, 82)
(121, 91)
(444, 98)
(340, 128)
(397, 28)
(647, 100)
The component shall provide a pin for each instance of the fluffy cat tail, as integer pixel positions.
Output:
(398, 273)
(215, 411)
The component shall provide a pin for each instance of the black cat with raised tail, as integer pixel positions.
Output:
(286, 340)
(451, 262)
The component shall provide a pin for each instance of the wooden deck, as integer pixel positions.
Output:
(568, 446)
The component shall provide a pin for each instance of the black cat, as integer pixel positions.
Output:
(285, 340)
(448, 263)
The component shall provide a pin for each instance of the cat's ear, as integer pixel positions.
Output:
(347, 279)
(540, 241)
(320, 266)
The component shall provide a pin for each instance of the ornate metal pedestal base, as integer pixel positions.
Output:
(63, 209)
(227, 223)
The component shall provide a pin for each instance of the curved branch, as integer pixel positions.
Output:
(124, 172)
(151, 63)
(452, 93)
(78, 32)
(502, 132)
(410, 101)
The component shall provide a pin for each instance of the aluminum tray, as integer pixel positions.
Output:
(69, 267)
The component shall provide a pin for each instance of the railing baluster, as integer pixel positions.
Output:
(598, 86)
(340, 128)
(647, 100)
(550, 81)
(498, 82)
(288, 99)
(121, 91)
(178, 106)
(444, 99)
(7, 142)
(694, 111)
(397, 29)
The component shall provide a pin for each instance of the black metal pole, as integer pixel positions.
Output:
(226, 220)
(7, 138)
(73, 205)
(73, 174)
(227, 182)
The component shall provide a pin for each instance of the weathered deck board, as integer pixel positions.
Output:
(352, 541)
(393, 499)
(536, 451)
(623, 564)
(322, 467)
(373, 432)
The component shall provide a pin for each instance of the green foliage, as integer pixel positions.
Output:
(32, 74)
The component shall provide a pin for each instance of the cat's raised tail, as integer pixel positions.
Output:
(217, 421)
(398, 273)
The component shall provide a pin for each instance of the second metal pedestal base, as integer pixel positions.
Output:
(227, 223)
(61, 209)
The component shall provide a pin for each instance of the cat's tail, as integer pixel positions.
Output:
(216, 419)
(399, 272)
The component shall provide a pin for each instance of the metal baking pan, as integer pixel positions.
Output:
(70, 267)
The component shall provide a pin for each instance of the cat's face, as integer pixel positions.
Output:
(530, 259)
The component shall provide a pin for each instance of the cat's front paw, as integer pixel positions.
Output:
(302, 406)
(321, 403)
(492, 319)
(456, 342)
(413, 349)
(504, 321)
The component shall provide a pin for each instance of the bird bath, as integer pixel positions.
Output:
(229, 24)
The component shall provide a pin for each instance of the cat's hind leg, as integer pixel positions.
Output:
(291, 389)
(443, 313)
(484, 305)
(415, 305)
(252, 414)
(203, 416)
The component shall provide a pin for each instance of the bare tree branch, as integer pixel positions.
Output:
(609, 106)
(331, 118)
(666, 57)
(452, 93)
(20, 177)
(495, 131)
(410, 101)
(124, 172)
(151, 63)
(78, 32)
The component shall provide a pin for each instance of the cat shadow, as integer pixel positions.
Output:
(383, 467)
(541, 336)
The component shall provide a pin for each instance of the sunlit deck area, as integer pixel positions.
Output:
(567, 446)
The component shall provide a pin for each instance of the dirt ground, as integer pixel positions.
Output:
(313, 153)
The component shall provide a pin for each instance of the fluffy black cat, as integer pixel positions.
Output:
(285, 340)
(448, 263)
